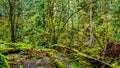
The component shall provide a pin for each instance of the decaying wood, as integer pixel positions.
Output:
(112, 49)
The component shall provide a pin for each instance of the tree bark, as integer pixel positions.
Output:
(11, 19)
(91, 22)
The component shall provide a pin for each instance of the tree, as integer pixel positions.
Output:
(12, 18)
(91, 26)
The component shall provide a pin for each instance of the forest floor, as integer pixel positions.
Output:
(34, 59)
(21, 55)
(27, 56)
(26, 62)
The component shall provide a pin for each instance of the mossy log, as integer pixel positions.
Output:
(87, 57)
(56, 61)
(15, 45)
(13, 50)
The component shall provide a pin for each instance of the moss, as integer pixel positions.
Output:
(80, 56)
(115, 65)
(15, 45)
(9, 47)
(57, 62)
(12, 50)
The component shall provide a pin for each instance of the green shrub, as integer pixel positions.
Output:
(3, 62)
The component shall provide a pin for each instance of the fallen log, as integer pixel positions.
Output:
(6, 51)
(11, 44)
(87, 57)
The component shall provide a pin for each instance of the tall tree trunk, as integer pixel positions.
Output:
(91, 21)
(11, 19)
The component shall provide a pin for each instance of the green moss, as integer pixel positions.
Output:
(15, 45)
(36, 57)
(57, 62)
(115, 65)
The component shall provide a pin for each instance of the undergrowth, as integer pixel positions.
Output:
(3, 62)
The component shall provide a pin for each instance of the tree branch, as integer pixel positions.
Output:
(72, 15)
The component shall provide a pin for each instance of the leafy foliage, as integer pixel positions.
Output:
(62, 26)
(3, 62)
(116, 20)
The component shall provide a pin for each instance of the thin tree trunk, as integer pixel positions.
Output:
(91, 21)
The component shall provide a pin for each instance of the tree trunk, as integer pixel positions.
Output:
(11, 19)
(91, 21)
